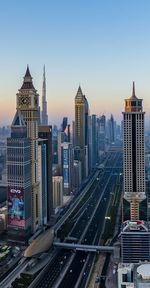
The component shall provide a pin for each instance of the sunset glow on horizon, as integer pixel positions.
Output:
(103, 45)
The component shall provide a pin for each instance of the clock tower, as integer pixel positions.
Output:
(28, 104)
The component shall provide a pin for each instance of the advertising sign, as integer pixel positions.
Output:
(16, 207)
(65, 156)
(66, 177)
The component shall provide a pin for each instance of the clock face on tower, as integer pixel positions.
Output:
(24, 100)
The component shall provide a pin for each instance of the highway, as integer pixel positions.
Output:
(87, 229)
(73, 205)
(24, 262)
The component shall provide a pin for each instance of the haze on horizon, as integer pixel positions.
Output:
(103, 45)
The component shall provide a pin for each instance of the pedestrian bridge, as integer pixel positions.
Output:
(82, 247)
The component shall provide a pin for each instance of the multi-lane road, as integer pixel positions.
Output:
(86, 218)
(70, 269)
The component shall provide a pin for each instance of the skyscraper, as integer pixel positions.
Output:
(81, 127)
(93, 141)
(44, 102)
(60, 140)
(19, 181)
(134, 154)
(64, 124)
(111, 129)
(135, 235)
(28, 104)
(67, 161)
(42, 168)
(45, 133)
(101, 134)
(80, 119)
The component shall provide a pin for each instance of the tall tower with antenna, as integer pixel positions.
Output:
(135, 235)
(134, 157)
(44, 102)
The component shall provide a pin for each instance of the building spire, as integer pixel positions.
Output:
(79, 94)
(44, 102)
(28, 72)
(44, 84)
(44, 73)
(27, 83)
(79, 89)
(133, 90)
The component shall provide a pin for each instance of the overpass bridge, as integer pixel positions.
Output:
(89, 248)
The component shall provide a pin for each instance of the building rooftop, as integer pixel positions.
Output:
(144, 271)
(136, 226)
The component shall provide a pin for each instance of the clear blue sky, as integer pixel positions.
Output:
(102, 44)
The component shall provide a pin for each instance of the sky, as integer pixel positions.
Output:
(103, 45)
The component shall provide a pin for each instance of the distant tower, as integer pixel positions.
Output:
(93, 141)
(80, 119)
(64, 124)
(44, 102)
(101, 134)
(81, 129)
(111, 129)
(134, 155)
(28, 104)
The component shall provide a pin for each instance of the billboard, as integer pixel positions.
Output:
(16, 207)
(66, 177)
(65, 156)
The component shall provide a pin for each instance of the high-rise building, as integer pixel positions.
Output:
(19, 181)
(72, 140)
(64, 124)
(42, 156)
(45, 133)
(86, 121)
(60, 140)
(81, 119)
(134, 154)
(67, 134)
(67, 160)
(93, 141)
(101, 134)
(28, 104)
(90, 141)
(55, 144)
(44, 102)
(81, 127)
(111, 130)
(135, 235)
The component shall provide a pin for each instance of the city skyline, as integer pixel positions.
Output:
(101, 46)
